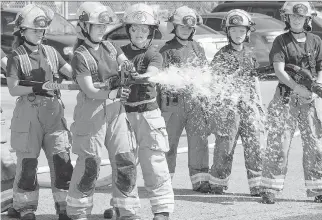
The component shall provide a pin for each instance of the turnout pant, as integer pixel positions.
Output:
(38, 123)
(152, 138)
(283, 119)
(246, 121)
(184, 112)
(99, 124)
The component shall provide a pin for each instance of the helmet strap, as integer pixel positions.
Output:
(293, 32)
(88, 36)
(146, 45)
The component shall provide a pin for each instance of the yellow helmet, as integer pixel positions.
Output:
(185, 16)
(34, 17)
(96, 13)
(140, 14)
(238, 17)
(299, 8)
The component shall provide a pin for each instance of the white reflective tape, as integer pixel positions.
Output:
(277, 184)
(199, 177)
(60, 196)
(313, 184)
(6, 195)
(126, 202)
(26, 197)
(254, 181)
(217, 181)
(161, 200)
(81, 202)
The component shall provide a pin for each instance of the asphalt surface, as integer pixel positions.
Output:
(236, 204)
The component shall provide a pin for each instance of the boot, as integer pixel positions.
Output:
(161, 216)
(268, 198)
(254, 192)
(109, 213)
(63, 216)
(12, 213)
(28, 216)
(318, 199)
(217, 190)
(204, 187)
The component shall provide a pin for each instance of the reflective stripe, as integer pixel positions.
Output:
(161, 200)
(199, 177)
(140, 103)
(26, 197)
(6, 195)
(277, 184)
(25, 63)
(52, 57)
(111, 49)
(313, 184)
(219, 182)
(89, 59)
(60, 196)
(81, 202)
(254, 181)
(126, 202)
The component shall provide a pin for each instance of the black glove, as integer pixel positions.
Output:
(38, 90)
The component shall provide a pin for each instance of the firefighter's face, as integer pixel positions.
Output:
(34, 35)
(183, 32)
(97, 31)
(297, 21)
(238, 34)
(139, 33)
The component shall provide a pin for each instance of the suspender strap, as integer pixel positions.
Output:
(52, 57)
(89, 59)
(25, 63)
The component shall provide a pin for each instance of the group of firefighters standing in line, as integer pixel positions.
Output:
(143, 124)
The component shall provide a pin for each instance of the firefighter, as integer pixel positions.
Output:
(293, 104)
(179, 109)
(245, 117)
(141, 25)
(38, 119)
(8, 163)
(100, 120)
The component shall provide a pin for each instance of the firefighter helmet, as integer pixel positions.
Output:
(140, 14)
(185, 16)
(34, 17)
(298, 8)
(237, 17)
(96, 13)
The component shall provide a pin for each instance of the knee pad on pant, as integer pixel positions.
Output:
(126, 172)
(28, 180)
(63, 170)
(87, 182)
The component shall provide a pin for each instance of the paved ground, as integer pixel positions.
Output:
(236, 204)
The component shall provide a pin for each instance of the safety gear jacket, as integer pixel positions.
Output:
(185, 16)
(141, 14)
(34, 17)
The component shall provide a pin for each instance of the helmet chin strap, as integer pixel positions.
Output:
(86, 34)
(146, 45)
(231, 41)
(29, 42)
(293, 32)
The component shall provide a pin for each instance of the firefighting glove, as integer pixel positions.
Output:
(128, 66)
(121, 93)
(39, 90)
